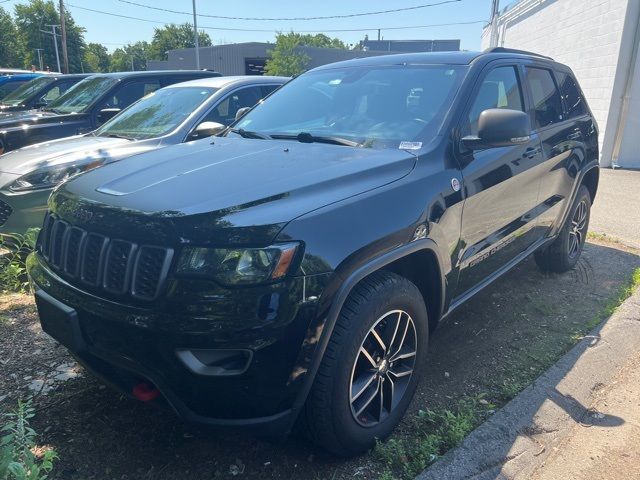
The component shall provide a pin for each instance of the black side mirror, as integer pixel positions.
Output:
(498, 127)
(241, 112)
(107, 114)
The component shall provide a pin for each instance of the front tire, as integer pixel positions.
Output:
(563, 254)
(370, 370)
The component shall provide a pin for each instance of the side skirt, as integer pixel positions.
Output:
(497, 274)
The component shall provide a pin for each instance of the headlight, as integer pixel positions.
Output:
(243, 266)
(49, 177)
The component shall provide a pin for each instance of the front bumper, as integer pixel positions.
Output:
(25, 211)
(127, 344)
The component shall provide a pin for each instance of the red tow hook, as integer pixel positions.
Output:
(145, 392)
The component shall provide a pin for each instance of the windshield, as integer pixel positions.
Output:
(375, 107)
(156, 114)
(25, 91)
(82, 95)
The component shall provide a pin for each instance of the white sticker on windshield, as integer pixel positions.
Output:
(410, 145)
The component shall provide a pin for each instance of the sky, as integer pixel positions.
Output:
(113, 31)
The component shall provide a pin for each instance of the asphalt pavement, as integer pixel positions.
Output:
(616, 209)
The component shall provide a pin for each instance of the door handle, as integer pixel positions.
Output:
(532, 152)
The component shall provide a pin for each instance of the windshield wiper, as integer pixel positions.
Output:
(306, 137)
(249, 134)
(115, 135)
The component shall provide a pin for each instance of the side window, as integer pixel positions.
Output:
(225, 111)
(129, 93)
(499, 89)
(547, 106)
(573, 100)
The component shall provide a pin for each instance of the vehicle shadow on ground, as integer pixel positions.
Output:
(521, 324)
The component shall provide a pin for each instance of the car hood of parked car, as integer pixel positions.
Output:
(19, 119)
(205, 187)
(69, 150)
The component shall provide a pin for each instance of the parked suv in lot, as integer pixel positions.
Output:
(39, 92)
(86, 106)
(294, 268)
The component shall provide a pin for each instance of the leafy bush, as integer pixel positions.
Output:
(17, 460)
(13, 270)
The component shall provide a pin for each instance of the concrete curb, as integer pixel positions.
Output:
(520, 436)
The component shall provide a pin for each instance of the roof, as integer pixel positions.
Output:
(157, 73)
(221, 82)
(435, 58)
(426, 58)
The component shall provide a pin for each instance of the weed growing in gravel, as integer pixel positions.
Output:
(17, 445)
(13, 270)
(436, 432)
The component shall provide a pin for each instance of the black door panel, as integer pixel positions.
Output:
(501, 187)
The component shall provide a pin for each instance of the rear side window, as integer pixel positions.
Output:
(574, 103)
(499, 89)
(547, 106)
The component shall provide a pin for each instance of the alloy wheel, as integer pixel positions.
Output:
(383, 367)
(577, 230)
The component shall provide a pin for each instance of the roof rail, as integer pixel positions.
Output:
(513, 50)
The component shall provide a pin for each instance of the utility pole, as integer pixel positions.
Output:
(195, 36)
(133, 69)
(55, 43)
(64, 38)
(39, 51)
(495, 10)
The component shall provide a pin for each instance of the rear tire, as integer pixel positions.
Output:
(563, 254)
(376, 352)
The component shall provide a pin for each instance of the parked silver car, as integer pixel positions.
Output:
(175, 114)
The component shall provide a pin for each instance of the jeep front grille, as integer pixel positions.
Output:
(116, 266)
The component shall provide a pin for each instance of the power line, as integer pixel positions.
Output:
(327, 17)
(204, 27)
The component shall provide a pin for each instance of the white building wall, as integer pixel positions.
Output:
(584, 34)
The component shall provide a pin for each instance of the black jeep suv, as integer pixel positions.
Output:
(293, 268)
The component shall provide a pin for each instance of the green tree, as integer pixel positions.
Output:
(96, 58)
(33, 17)
(10, 47)
(174, 37)
(287, 59)
(122, 58)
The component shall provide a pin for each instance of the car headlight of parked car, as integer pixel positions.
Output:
(49, 177)
(244, 266)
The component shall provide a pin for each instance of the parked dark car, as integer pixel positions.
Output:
(294, 269)
(181, 112)
(39, 92)
(8, 83)
(86, 106)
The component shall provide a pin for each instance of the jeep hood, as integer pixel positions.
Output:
(68, 150)
(208, 187)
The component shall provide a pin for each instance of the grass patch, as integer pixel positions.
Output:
(436, 431)
(20, 458)
(13, 270)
